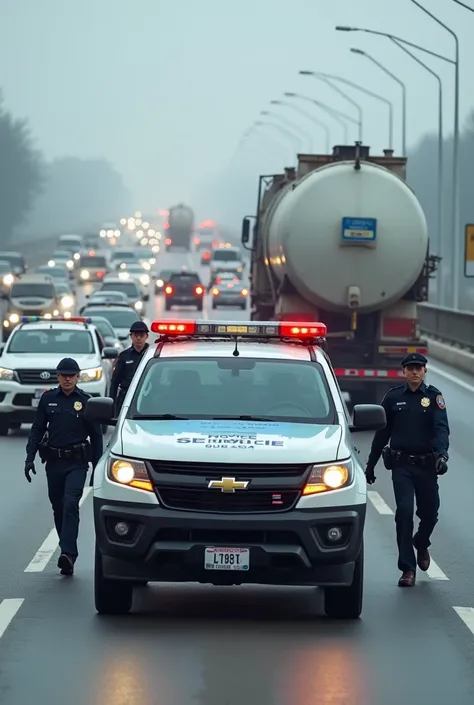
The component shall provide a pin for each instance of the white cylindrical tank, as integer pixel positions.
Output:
(303, 233)
(181, 216)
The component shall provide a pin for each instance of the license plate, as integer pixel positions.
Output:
(36, 398)
(227, 558)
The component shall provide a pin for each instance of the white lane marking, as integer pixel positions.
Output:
(435, 573)
(467, 616)
(452, 378)
(380, 505)
(43, 555)
(8, 609)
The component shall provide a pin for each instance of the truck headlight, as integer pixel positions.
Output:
(329, 476)
(139, 305)
(6, 375)
(94, 374)
(85, 274)
(132, 473)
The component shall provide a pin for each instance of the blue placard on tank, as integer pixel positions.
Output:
(359, 229)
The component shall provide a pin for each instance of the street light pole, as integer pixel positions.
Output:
(440, 199)
(290, 136)
(456, 196)
(332, 77)
(337, 115)
(404, 94)
(309, 117)
(458, 2)
(293, 127)
(325, 79)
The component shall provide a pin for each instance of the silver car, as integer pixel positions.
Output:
(229, 290)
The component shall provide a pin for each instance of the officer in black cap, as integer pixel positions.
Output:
(60, 433)
(127, 363)
(418, 431)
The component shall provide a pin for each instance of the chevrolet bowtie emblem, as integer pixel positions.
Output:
(227, 484)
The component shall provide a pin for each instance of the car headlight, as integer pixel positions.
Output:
(85, 274)
(131, 473)
(6, 375)
(145, 279)
(155, 249)
(328, 477)
(159, 283)
(14, 318)
(51, 263)
(94, 374)
(76, 256)
(146, 266)
(8, 279)
(139, 305)
(67, 302)
(70, 264)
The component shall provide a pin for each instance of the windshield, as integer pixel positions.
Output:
(5, 267)
(44, 291)
(128, 288)
(271, 390)
(226, 256)
(61, 254)
(93, 262)
(62, 288)
(108, 295)
(70, 242)
(122, 256)
(15, 260)
(54, 272)
(145, 253)
(51, 340)
(118, 319)
(104, 327)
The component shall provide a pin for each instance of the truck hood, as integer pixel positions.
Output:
(25, 361)
(226, 441)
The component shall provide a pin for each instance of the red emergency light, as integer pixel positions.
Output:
(242, 329)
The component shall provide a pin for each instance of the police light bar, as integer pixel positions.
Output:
(53, 319)
(264, 329)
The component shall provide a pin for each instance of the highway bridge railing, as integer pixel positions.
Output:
(447, 325)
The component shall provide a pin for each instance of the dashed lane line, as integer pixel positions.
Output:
(467, 616)
(8, 610)
(452, 378)
(43, 555)
(434, 571)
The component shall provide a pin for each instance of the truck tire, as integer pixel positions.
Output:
(111, 596)
(346, 602)
(199, 307)
(4, 428)
(167, 306)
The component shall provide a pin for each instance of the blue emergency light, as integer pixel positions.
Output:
(53, 319)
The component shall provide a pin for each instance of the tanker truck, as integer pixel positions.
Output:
(180, 227)
(342, 239)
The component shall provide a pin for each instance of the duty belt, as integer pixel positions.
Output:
(398, 456)
(77, 451)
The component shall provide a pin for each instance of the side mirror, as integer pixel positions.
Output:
(368, 417)
(146, 297)
(87, 296)
(3, 295)
(101, 410)
(1, 349)
(245, 237)
(110, 353)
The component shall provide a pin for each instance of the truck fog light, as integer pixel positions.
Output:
(334, 533)
(122, 529)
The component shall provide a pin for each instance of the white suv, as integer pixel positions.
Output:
(28, 364)
(232, 462)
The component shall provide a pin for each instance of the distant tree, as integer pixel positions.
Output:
(20, 172)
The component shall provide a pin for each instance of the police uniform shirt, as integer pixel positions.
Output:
(62, 416)
(417, 422)
(127, 363)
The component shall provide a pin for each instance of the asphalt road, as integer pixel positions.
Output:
(199, 645)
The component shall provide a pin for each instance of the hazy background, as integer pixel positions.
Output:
(142, 104)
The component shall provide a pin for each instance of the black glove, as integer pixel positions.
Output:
(370, 475)
(441, 465)
(29, 467)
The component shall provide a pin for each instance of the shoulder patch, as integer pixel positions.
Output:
(440, 401)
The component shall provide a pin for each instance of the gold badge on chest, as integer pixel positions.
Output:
(425, 402)
(78, 405)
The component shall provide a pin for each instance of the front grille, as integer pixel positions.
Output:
(218, 470)
(22, 399)
(245, 501)
(33, 376)
(228, 537)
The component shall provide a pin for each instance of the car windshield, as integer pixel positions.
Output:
(226, 256)
(5, 267)
(123, 256)
(93, 262)
(62, 288)
(73, 242)
(52, 340)
(108, 295)
(128, 288)
(145, 253)
(15, 260)
(122, 318)
(103, 326)
(44, 291)
(164, 274)
(54, 272)
(233, 388)
(60, 254)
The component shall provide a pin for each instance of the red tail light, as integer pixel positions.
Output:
(196, 241)
(168, 290)
(168, 241)
(100, 275)
(219, 280)
(198, 290)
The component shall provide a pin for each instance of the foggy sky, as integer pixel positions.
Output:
(164, 90)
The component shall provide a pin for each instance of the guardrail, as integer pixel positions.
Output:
(447, 325)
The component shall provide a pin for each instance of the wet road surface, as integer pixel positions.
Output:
(201, 645)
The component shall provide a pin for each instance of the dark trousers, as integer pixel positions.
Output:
(409, 483)
(66, 481)
(119, 401)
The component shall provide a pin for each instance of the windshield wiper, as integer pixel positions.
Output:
(240, 418)
(159, 417)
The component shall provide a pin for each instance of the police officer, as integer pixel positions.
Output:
(127, 363)
(418, 431)
(60, 432)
